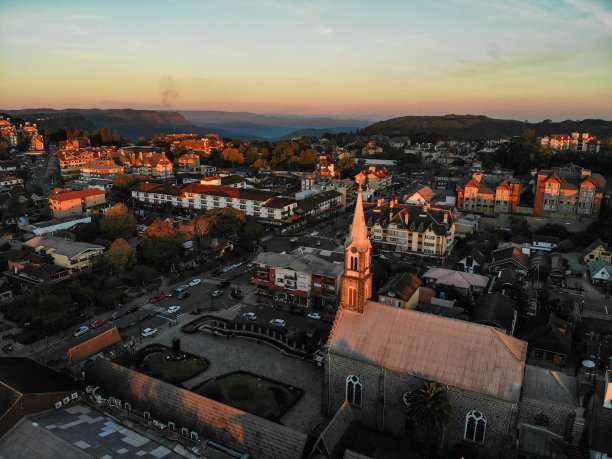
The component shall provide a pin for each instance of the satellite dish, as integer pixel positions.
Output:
(588, 364)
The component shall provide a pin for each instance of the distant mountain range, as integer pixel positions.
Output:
(248, 126)
(146, 123)
(482, 127)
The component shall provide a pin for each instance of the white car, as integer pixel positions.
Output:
(195, 282)
(217, 293)
(228, 268)
(173, 309)
(293, 240)
(314, 315)
(81, 331)
(182, 287)
(149, 332)
(249, 316)
(277, 322)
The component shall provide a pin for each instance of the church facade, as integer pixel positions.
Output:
(377, 354)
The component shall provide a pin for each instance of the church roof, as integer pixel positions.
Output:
(469, 356)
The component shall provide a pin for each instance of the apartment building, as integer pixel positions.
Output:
(101, 168)
(73, 159)
(411, 229)
(489, 195)
(265, 205)
(304, 280)
(568, 192)
(320, 204)
(76, 202)
(72, 255)
(376, 179)
(574, 141)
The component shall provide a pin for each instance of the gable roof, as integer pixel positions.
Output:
(553, 386)
(595, 245)
(94, 345)
(595, 267)
(469, 356)
(334, 432)
(229, 426)
(402, 285)
(511, 254)
(87, 193)
(454, 278)
(69, 248)
(494, 309)
(549, 333)
(27, 376)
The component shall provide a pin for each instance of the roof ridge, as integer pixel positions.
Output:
(498, 334)
(561, 384)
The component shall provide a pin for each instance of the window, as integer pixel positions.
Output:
(353, 390)
(352, 296)
(475, 426)
(541, 420)
(354, 264)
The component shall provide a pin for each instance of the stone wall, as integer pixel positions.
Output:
(383, 408)
(561, 417)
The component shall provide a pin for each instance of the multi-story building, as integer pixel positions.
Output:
(9, 181)
(568, 192)
(72, 255)
(72, 159)
(319, 205)
(411, 229)
(147, 163)
(8, 131)
(376, 179)
(265, 205)
(193, 143)
(303, 280)
(189, 161)
(101, 168)
(76, 202)
(576, 141)
(489, 195)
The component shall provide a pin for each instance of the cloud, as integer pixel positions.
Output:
(169, 90)
(324, 30)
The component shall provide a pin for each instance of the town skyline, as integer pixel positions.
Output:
(521, 61)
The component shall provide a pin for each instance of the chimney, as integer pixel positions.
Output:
(445, 217)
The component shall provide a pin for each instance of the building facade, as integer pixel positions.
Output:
(489, 196)
(76, 202)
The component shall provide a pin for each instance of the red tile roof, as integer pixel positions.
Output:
(88, 193)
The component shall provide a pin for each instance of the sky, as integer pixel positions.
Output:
(527, 60)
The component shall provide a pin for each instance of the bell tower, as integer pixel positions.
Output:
(357, 277)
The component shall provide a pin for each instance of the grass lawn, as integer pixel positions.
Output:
(256, 395)
(156, 365)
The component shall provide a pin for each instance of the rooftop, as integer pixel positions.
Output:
(465, 355)
(27, 376)
(302, 262)
(70, 195)
(69, 248)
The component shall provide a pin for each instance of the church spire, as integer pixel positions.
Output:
(357, 278)
(359, 231)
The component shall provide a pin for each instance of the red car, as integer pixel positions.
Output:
(98, 323)
(157, 298)
(561, 290)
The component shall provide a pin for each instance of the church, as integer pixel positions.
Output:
(377, 354)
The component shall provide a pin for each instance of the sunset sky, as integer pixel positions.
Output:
(524, 60)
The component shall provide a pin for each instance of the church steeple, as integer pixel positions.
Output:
(357, 277)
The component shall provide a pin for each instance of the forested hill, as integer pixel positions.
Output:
(482, 127)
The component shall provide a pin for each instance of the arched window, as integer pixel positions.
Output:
(541, 420)
(354, 264)
(353, 390)
(475, 426)
(352, 296)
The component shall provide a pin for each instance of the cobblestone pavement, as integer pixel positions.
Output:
(233, 354)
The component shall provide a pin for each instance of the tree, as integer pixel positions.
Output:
(86, 232)
(121, 256)
(128, 181)
(161, 245)
(431, 409)
(118, 223)
(261, 164)
(308, 157)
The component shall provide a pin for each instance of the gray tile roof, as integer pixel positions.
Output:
(69, 248)
(212, 420)
(306, 263)
(552, 386)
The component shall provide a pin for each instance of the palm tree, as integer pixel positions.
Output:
(431, 409)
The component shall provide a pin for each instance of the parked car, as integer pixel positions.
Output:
(293, 240)
(249, 316)
(181, 288)
(217, 293)
(117, 315)
(158, 298)
(149, 332)
(228, 268)
(183, 295)
(194, 282)
(239, 264)
(223, 283)
(173, 309)
(81, 331)
(216, 273)
(314, 315)
(132, 309)
(561, 290)
(277, 322)
(98, 323)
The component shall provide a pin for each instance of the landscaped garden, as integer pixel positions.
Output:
(252, 393)
(168, 364)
